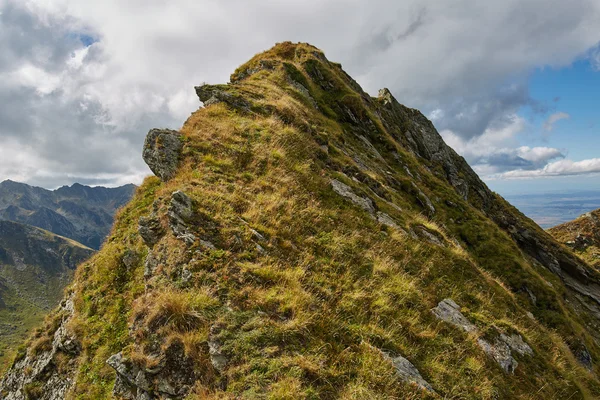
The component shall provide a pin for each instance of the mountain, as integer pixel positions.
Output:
(79, 212)
(35, 265)
(304, 240)
(582, 235)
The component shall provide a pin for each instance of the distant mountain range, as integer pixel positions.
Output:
(35, 266)
(79, 212)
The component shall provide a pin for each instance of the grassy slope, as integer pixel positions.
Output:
(300, 319)
(28, 295)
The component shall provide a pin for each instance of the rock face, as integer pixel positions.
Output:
(162, 151)
(171, 378)
(33, 375)
(276, 251)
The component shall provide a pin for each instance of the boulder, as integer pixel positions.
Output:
(162, 152)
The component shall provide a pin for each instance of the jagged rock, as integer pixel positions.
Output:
(409, 373)
(500, 352)
(173, 378)
(405, 370)
(447, 310)
(40, 367)
(150, 229)
(181, 213)
(385, 219)
(422, 232)
(516, 343)
(503, 346)
(150, 265)
(257, 235)
(346, 191)
(162, 151)
(213, 94)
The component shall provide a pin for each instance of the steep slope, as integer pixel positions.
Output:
(582, 235)
(35, 265)
(79, 212)
(305, 240)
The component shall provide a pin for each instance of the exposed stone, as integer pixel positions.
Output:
(130, 259)
(217, 358)
(257, 235)
(385, 219)
(41, 367)
(150, 265)
(405, 370)
(516, 343)
(150, 229)
(422, 232)
(186, 276)
(447, 310)
(173, 378)
(181, 213)
(162, 151)
(346, 191)
(409, 373)
(213, 94)
(207, 245)
(500, 352)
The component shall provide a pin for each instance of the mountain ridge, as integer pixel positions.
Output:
(79, 212)
(303, 239)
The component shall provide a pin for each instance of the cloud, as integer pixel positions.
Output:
(554, 118)
(81, 82)
(497, 150)
(557, 168)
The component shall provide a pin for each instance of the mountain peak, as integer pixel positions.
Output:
(302, 239)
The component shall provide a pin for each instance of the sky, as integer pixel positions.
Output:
(511, 85)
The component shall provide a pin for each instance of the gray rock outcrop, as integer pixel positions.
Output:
(346, 191)
(447, 310)
(37, 373)
(162, 151)
(181, 215)
(150, 229)
(501, 349)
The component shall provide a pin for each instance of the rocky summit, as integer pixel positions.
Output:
(304, 240)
